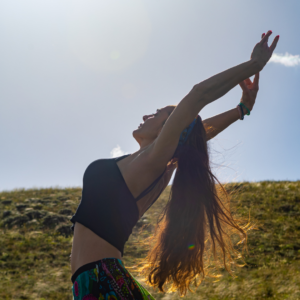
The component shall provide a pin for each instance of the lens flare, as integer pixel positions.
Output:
(108, 36)
(192, 246)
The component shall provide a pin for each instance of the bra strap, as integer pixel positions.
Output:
(150, 188)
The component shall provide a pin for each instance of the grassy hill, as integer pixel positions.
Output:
(36, 241)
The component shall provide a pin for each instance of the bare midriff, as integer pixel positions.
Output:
(89, 247)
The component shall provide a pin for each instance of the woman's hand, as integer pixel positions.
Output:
(250, 90)
(262, 52)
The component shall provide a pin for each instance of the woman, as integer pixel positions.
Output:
(117, 192)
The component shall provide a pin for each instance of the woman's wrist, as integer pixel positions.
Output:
(218, 85)
(238, 109)
(245, 110)
(257, 65)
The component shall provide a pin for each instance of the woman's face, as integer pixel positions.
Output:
(153, 123)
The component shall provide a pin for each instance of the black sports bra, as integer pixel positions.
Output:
(107, 206)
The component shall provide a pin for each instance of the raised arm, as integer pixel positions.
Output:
(218, 123)
(202, 94)
(218, 85)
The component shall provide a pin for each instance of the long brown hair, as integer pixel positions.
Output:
(195, 223)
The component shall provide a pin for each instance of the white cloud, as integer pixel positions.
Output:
(286, 59)
(116, 152)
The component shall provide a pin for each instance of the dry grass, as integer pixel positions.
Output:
(34, 258)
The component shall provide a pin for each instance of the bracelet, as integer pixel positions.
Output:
(240, 113)
(248, 114)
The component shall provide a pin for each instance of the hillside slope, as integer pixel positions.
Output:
(36, 241)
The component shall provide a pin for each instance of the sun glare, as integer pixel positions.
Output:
(108, 36)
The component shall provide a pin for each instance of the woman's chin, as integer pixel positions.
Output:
(136, 130)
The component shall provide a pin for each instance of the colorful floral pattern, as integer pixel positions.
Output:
(108, 280)
(89, 297)
(76, 289)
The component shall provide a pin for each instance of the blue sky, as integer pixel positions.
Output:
(76, 77)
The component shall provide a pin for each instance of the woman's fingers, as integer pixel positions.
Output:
(266, 37)
(248, 81)
(256, 80)
(243, 85)
(262, 35)
(275, 41)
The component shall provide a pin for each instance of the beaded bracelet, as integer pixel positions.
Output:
(248, 110)
(240, 112)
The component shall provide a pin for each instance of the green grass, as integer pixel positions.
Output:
(34, 257)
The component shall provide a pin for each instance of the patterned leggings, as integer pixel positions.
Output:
(106, 279)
